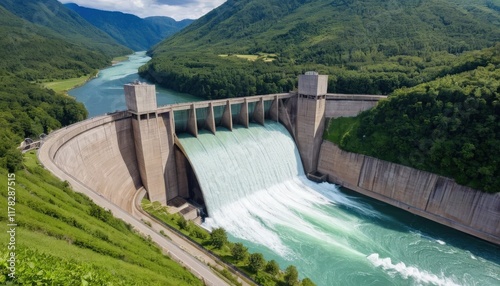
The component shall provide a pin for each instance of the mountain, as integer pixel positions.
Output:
(34, 52)
(367, 46)
(338, 27)
(129, 30)
(65, 23)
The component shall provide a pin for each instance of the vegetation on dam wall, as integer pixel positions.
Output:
(63, 238)
(449, 126)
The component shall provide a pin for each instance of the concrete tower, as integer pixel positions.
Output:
(310, 120)
(141, 102)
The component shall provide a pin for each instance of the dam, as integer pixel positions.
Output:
(164, 150)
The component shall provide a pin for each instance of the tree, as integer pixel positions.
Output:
(239, 251)
(13, 160)
(182, 222)
(272, 267)
(256, 262)
(291, 275)
(218, 237)
(307, 282)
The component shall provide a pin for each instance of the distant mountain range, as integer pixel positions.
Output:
(129, 30)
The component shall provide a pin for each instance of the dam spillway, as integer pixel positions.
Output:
(254, 187)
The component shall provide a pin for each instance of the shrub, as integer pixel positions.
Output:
(239, 251)
(291, 275)
(256, 262)
(272, 267)
(218, 237)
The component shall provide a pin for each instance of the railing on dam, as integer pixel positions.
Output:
(191, 117)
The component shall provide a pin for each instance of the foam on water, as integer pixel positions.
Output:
(407, 272)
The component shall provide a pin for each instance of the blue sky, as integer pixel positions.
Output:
(177, 9)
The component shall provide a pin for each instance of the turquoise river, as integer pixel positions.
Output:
(254, 187)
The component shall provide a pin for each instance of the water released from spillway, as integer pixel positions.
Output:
(254, 187)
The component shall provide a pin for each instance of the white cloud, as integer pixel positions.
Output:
(177, 9)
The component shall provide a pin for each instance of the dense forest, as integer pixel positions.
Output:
(30, 54)
(450, 126)
(365, 46)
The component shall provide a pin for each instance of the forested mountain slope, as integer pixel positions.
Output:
(342, 28)
(33, 52)
(129, 30)
(365, 46)
(449, 126)
(65, 23)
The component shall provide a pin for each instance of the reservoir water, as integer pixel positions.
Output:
(254, 187)
(105, 92)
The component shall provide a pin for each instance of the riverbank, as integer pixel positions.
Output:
(65, 85)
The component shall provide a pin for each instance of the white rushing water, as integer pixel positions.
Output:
(254, 187)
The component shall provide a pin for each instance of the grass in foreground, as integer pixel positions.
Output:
(63, 238)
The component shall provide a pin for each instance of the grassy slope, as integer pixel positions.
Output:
(76, 237)
(66, 84)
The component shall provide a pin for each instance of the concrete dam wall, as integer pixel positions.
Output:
(100, 153)
(429, 195)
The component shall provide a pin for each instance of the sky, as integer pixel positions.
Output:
(177, 9)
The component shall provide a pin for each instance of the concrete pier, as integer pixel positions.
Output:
(310, 122)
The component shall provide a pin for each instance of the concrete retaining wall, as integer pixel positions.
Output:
(343, 105)
(431, 196)
(100, 153)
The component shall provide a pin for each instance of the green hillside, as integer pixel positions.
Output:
(65, 23)
(333, 31)
(365, 46)
(63, 238)
(35, 53)
(450, 126)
